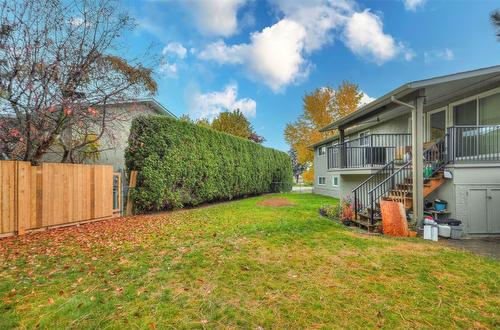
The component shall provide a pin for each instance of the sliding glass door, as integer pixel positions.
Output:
(477, 131)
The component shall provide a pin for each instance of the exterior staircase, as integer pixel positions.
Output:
(394, 182)
(403, 192)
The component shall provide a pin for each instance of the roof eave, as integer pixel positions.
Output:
(367, 108)
(406, 89)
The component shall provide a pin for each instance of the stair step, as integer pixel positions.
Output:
(366, 215)
(404, 192)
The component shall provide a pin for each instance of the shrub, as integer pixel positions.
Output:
(180, 163)
(330, 211)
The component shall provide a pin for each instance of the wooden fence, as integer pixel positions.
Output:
(35, 197)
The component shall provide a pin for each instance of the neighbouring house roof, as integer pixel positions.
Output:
(437, 89)
(151, 102)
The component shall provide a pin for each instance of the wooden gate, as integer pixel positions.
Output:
(34, 197)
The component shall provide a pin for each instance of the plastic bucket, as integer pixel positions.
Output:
(440, 205)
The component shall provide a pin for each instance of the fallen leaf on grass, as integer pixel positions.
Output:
(141, 291)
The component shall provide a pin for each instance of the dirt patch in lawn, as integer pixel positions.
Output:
(276, 202)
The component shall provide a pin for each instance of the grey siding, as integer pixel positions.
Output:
(320, 170)
(113, 145)
(465, 178)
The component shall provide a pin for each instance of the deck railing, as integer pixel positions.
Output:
(369, 151)
(471, 144)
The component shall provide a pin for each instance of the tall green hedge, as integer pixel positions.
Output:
(180, 163)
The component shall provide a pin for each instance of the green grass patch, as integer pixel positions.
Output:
(241, 265)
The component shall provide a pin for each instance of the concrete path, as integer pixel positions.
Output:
(489, 247)
(302, 189)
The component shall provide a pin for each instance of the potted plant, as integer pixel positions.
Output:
(347, 211)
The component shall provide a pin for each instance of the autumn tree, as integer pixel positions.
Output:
(59, 73)
(495, 20)
(231, 122)
(320, 108)
(200, 121)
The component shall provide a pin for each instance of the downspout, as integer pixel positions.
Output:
(395, 100)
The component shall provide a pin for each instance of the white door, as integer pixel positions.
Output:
(478, 213)
(493, 210)
(484, 210)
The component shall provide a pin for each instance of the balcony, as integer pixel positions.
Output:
(463, 145)
(473, 144)
(375, 150)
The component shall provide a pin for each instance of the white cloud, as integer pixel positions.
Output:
(168, 69)
(174, 48)
(365, 37)
(273, 55)
(209, 105)
(76, 21)
(215, 17)
(365, 99)
(278, 55)
(318, 17)
(223, 54)
(445, 54)
(412, 5)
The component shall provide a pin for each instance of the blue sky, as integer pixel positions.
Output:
(262, 56)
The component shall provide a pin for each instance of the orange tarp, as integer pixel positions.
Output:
(394, 219)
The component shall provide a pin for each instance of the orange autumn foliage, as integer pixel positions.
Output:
(308, 175)
(320, 108)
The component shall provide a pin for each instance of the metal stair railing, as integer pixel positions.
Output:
(397, 177)
(434, 156)
(360, 193)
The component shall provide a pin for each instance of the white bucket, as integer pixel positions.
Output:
(427, 232)
(431, 232)
(435, 233)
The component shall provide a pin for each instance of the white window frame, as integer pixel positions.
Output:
(333, 180)
(475, 97)
(366, 132)
(428, 121)
(321, 148)
(471, 98)
(324, 182)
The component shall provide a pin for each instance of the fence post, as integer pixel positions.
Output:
(131, 185)
(22, 196)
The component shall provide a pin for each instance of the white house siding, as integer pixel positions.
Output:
(320, 170)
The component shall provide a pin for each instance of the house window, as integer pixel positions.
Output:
(437, 125)
(480, 134)
(489, 110)
(466, 113)
(321, 180)
(480, 111)
(322, 150)
(335, 181)
(364, 138)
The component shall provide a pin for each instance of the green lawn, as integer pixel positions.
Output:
(241, 265)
